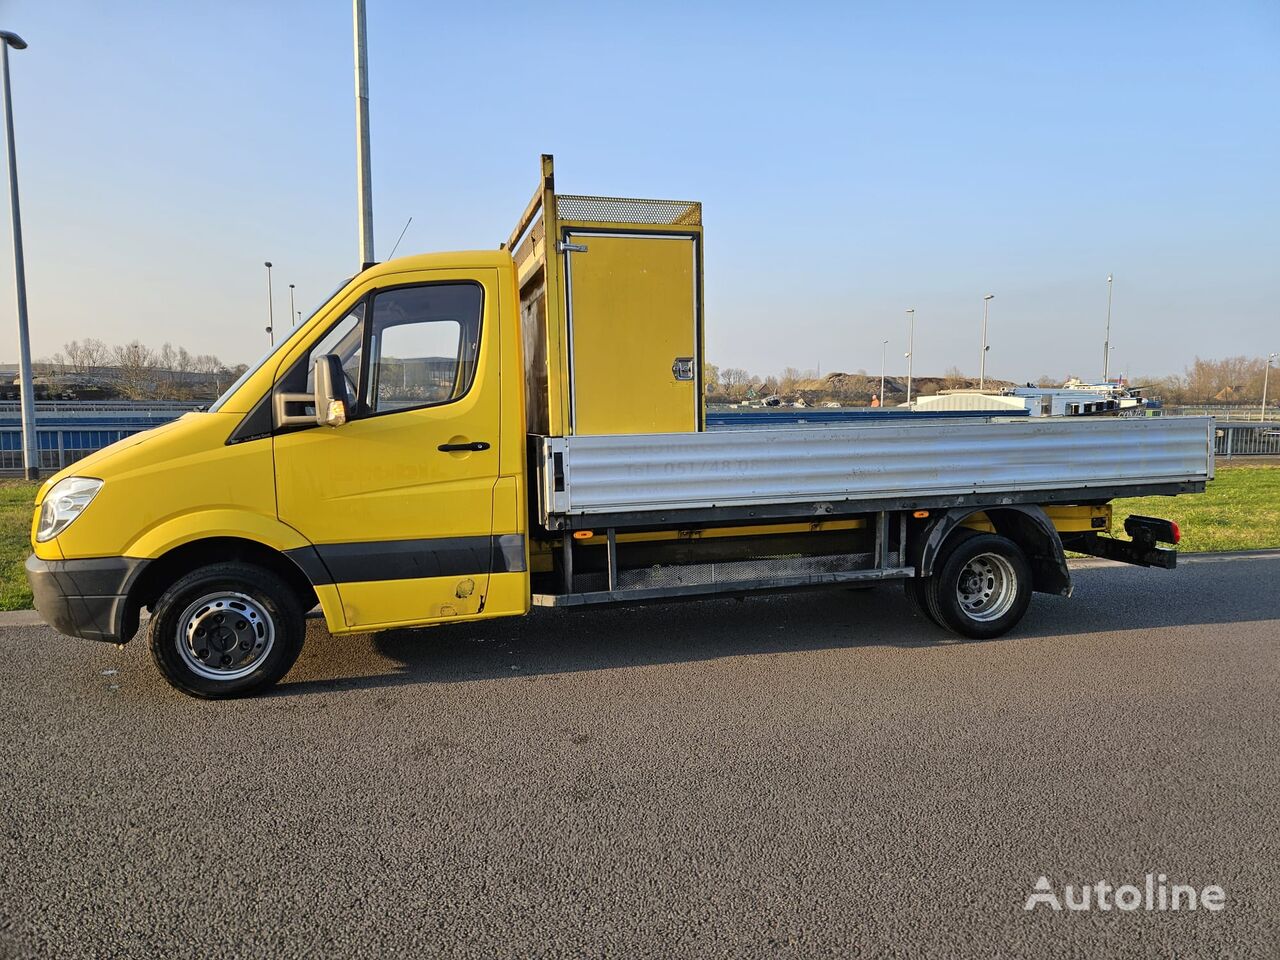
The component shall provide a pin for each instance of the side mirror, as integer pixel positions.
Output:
(329, 401)
(331, 391)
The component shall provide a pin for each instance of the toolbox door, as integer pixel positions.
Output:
(632, 305)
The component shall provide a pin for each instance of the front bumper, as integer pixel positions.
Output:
(87, 598)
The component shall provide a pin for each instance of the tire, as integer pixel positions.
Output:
(226, 630)
(917, 587)
(982, 587)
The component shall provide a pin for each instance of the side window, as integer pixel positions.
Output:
(345, 339)
(423, 346)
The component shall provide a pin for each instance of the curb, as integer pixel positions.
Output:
(1088, 563)
(30, 618)
(20, 618)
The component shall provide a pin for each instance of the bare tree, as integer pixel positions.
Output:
(166, 358)
(85, 356)
(96, 353)
(1171, 389)
(710, 377)
(735, 381)
(212, 371)
(75, 356)
(790, 377)
(1231, 379)
(135, 367)
(51, 365)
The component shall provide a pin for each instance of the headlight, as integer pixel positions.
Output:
(65, 502)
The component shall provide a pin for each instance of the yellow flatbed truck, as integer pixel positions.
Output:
(461, 436)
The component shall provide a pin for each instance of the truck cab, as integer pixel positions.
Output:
(401, 504)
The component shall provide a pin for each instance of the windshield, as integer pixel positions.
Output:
(262, 361)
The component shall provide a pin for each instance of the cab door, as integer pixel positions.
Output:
(399, 499)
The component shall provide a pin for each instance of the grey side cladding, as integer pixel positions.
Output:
(411, 559)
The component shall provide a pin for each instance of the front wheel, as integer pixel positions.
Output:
(982, 587)
(226, 630)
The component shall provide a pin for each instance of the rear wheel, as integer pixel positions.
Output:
(226, 630)
(917, 589)
(982, 587)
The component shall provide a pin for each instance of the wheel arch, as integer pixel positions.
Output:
(1027, 525)
(163, 571)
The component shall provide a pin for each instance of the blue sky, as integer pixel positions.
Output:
(853, 160)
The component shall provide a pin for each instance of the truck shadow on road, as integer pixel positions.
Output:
(551, 642)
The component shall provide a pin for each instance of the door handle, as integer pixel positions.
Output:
(455, 447)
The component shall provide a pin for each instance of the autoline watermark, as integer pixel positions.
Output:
(1155, 893)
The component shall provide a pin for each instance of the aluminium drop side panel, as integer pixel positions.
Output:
(586, 475)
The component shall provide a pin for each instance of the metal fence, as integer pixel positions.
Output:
(12, 408)
(1223, 411)
(59, 448)
(1236, 439)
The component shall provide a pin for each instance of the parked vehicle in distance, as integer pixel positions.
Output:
(464, 436)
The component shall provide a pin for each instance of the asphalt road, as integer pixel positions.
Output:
(810, 775)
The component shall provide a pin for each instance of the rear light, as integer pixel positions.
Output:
(1177, 531)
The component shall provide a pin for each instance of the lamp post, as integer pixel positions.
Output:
(982, 365)
(30, 463)
(364, 202)
(271, 319)
(1106, 344)
(292, 312)
(884, 345)
(911, 348)
(1266, 375)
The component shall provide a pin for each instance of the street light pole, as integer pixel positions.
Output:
(1266, 375)
(364, 202)
(271, 317)
(1106, 344)
(292, 312)
(911, 348)
(30, 463)
(884, 345)
(982, 366)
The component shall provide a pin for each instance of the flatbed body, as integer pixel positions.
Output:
(639, 479)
